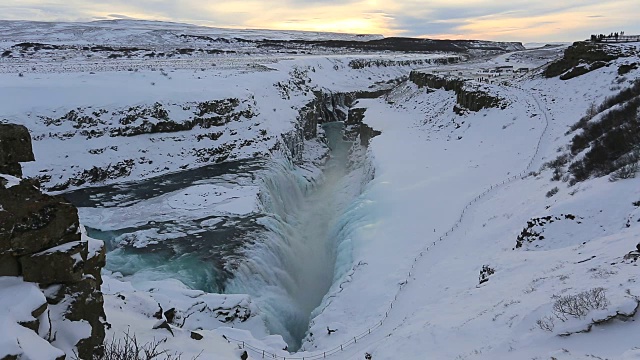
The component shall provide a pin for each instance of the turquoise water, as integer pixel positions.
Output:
(284, 256)
(291, 269)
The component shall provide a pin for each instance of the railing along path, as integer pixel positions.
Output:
(266, 354)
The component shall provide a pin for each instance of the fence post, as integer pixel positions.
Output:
(355, 340)
(243, 344)
(263, 354)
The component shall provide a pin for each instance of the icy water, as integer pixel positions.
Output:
(131, 192)
(197, 250)
(290, 271)
(283, 253)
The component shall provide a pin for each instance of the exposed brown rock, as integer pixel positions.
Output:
(466, 97)
(163, 325)
(88, 304)
(40, 240)
(15, 147)
(9, 265)
(34, 324)
(62, 264)
(94, 263)
(34, 220)
(14, 169)
(170, 315)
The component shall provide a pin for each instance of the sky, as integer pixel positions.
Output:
(506, 20)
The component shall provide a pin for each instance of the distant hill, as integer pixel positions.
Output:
(143, 33)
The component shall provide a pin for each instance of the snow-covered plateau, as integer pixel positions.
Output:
(293, 195)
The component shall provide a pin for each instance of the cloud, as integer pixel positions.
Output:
(523, 20)
(118, 16)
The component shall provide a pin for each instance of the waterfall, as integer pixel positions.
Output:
(290, 269)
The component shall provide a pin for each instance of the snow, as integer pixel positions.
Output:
(119, 32)
(451, 193)
(418, 198)
(17, 301)
(132, 308)
(11, 181)
(238, 200)
(94, 247)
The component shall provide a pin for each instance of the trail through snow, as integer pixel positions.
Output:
(399, 309)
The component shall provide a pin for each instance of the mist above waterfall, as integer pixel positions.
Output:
(290, 270)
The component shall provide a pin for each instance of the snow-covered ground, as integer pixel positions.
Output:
(451, 193)
(430, 170)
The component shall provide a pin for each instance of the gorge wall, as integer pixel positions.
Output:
(466, 96)
(41, 242)
(329, 107)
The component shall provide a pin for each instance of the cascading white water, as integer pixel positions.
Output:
(289, 271)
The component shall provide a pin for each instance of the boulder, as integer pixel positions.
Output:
(87, 304)
(15, 144)
(40, 240)
(34, 221)
(9, 266)
(34, 323)
(61, 264)
(96, 259)
(162, 324)
(14, 169)
(15, 147)
(170, 315)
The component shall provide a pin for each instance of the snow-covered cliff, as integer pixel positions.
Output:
(461, 231)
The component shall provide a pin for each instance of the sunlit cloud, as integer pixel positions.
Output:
(515, 20)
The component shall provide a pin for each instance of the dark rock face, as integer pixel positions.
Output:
(581, 58)
(41, 222)
(9, 265)
(62, 264)
(40, 240)
(474, 100)
(328, 107)
(87, 303)
(13, 169)
(15, 147)
(395, 44)
(96, 260)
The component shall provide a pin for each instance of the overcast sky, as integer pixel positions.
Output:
(517, 20)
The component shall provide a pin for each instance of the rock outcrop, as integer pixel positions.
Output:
(583, 57)
(15, 147)
(41, 241)
(466, 96)
(330, 107)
